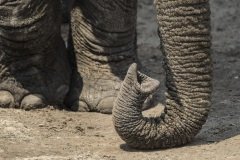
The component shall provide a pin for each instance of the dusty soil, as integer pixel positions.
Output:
(63, 135)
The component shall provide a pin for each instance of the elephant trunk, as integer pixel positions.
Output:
(185, 35)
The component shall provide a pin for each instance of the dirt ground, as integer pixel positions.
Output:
(63, 135)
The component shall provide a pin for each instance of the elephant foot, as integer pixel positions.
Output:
(31, 101)
(34, 81)
(32, 88)
(94, 94)
(104, 105)
(95, 89)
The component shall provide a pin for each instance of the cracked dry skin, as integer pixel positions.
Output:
(104, 44)
(34, 70)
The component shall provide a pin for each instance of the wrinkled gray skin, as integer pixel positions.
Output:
(35, 68)
(184, 29)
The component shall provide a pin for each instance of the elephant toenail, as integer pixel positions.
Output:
(105, 106)
(33, 101)
(6, 99)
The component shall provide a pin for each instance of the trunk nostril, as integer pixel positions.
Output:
(143, 83)
(147, 85)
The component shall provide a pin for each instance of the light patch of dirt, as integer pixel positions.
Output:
(62, 135)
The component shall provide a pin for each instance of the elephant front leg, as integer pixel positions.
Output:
(104, 42)
(34, 70)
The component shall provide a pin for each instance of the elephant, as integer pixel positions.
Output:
(37, 70)
(184, 30)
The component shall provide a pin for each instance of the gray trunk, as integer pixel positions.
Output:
(185, 34)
